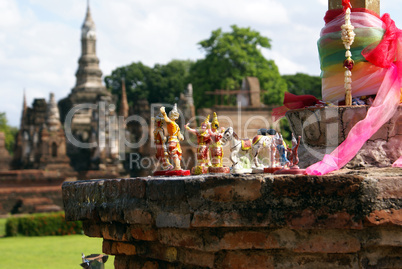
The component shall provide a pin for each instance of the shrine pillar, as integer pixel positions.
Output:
(373, 5)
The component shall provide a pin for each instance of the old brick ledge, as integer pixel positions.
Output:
(351, 219)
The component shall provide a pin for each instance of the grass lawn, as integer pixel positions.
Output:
(48, 252)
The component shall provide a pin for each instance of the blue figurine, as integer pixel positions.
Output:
(281, 148)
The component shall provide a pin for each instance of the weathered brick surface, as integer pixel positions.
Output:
(219, 194)
(214, 219)
(384, 236)
(182, 238)
(248, 240)
(192, 257)
(389, 188)
(145, 233)
(138, 216)
(387, 217)
(158, 190)
(320, 219)
(125, 248)
(121, 262)
(250, 260)
(166, 219)
(116, 231)
(319, 261)
(350, 219)
(134, 187)
(109, 248)
(335, 185)
(327, 242)
(92, 229)
(243, 190)
(232, 218)
(384, 257)
(150, 265)
(118, 248)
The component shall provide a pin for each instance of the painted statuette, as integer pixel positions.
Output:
(174, 138)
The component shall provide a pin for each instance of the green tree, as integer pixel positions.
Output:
(162, 83)
(136, 79)
(168, 81)
(285, 130)
(231, 56)
(9, 132)
(301, 84)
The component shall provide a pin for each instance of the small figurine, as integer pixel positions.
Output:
(293, 158)
(174, 139)
(94, 261)
(274, 164)
(243, 146)
(262, 146)
(293, 168)
(216, 147)
(281, 148)
(161, 152)
(203, 141)
(264, 131)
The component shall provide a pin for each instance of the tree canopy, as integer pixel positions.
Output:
(231, 56)
(162, 83)
(8, 131)
(301, 84)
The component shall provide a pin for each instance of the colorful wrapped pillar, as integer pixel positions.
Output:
(377, 71)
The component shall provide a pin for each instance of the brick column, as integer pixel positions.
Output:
(352, 219)
(373, 5)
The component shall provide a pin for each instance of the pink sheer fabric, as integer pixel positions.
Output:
(360, 19)
(398, 163)
(386, 54)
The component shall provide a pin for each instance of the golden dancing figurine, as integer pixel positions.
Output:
(216, 147)
(203, 141)
(174, 139)
(161, 152)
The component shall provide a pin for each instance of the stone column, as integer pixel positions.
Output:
(373, 5)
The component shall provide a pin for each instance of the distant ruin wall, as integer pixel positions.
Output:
(30, 191)
(352, 219)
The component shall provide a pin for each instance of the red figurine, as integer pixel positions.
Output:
(216, 148)
(203, 141)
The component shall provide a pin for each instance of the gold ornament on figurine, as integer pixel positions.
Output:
(174, 137)
(203, 141)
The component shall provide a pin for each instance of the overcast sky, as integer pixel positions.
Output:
(40, 39)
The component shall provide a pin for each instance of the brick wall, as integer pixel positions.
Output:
(30, 191)
(352, 219)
